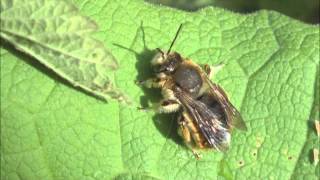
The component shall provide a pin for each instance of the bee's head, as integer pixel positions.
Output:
(166, 63)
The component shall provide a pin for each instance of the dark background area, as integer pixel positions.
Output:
(304, 10)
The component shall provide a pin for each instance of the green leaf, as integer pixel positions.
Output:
(303, 169)
(52, 131)
(54, 33)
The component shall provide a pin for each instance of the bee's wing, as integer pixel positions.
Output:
(234, 118)
(212, 129)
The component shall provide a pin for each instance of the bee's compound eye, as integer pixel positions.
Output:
(165, 67)
(158, 68)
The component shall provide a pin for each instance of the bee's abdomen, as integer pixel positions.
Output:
(197, 137)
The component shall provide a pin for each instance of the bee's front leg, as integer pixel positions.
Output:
(168, 106)
(170, 103)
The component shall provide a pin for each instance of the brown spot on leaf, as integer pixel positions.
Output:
(241, 163)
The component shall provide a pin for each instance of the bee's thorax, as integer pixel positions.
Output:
(188, 79)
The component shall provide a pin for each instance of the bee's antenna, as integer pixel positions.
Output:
(174, 38)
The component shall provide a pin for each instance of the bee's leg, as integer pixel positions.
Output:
(185, 133)
(151, 83)
(165, 106)
(168, 94)
(168, 106)
(169, 103)
(212, 70)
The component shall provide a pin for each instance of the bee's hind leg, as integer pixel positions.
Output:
(185, 133)
(212, 70)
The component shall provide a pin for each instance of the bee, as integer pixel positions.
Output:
(206, 116)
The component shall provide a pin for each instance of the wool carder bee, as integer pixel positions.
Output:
(206, 115)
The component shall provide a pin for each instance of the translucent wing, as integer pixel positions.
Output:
(234, 118)
(211, 128)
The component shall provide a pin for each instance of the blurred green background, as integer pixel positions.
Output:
(304, 10)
